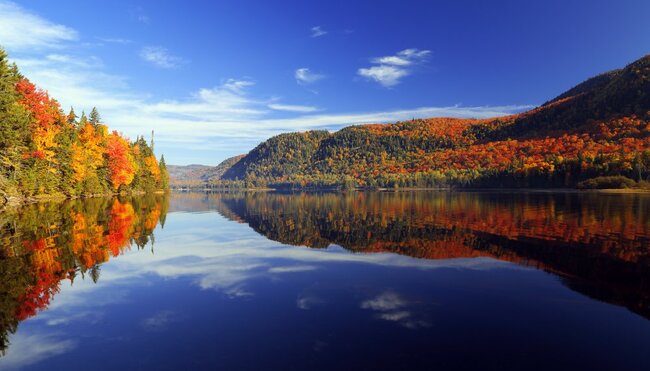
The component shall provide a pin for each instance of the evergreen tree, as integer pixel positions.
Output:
(164, 174)
(95, 118)
(83, 119)
(72, 117)
(14, 125)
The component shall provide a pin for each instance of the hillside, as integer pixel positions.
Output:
(598, 128)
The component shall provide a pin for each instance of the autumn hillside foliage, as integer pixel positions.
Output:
(46, 152)
(598, 128)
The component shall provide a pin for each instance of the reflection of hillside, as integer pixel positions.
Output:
(600, 245)
(44, 244)
(197, 202)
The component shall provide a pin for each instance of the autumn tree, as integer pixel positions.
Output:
(14, 126)
(120, 161)
(88, 158)
(42, 175)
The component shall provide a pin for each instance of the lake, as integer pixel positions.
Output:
(364, 280)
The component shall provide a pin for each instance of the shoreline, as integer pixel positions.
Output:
(16, 201)
(7, 201)
(420, 189)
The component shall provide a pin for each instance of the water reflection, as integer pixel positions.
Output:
(598, 244)
(44, 244)
(387, 280)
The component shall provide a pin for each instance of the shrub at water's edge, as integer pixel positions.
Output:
(46, 153)
(612, 182)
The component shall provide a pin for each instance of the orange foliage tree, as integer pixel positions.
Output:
(120, 161)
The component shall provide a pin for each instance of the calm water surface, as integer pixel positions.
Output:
(322, 281)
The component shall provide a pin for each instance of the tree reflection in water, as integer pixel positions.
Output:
(44, 244)
(597, 244)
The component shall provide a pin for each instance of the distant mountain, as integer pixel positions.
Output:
(195, 173)
(598, 128)
(187, 172)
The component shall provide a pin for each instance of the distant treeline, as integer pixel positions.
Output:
(44, 151)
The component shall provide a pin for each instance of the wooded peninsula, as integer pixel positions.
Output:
(45, 153)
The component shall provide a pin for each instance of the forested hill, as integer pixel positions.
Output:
(598, 128)
(45, 152)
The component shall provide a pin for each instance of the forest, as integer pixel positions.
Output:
(595, 135)
(45, 152)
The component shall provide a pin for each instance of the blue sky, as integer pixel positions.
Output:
(215, 78)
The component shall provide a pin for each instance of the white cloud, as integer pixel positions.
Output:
(292, 108)
(292, 269)
(216, 122)
(385, 75)
(227, 116)
(225, 102)
(159, 321)
(160, 57)
(86, 62)
(30, 349)
(392, 60)
(389, 70)
(91, 317)
(318, 31)
(139, 15)
(414, 54)
(115, 40)
(308, 302)
(395, 316)
(238, 86)
(22, 30)
(385, 302)
(305, 76)
(390, 306)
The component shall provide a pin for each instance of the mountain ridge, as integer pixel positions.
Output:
(600, 127)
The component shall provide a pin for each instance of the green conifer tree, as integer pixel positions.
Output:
(95, 118)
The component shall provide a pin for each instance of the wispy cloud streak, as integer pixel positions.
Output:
(160, 57)
(389, 70)
(318, 31)
(22, 30)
